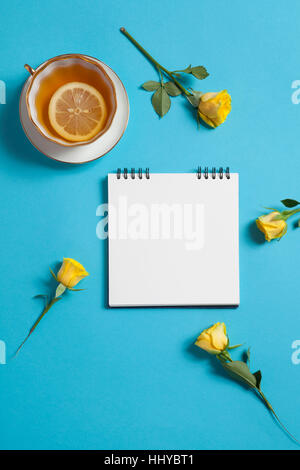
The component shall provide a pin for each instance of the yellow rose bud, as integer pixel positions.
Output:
(271, 226)
(214, 339)
(71, 272)
(214, 107)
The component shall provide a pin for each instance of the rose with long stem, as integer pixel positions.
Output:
(70, 273)
(212, 107)
(215, 341)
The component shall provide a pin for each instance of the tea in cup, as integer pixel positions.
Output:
(70, 99)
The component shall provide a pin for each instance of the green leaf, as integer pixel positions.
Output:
(187, 70)
(172, 89)
(257, 375)
(60, 290)
(248, 356)
(194, 99)
(234, 347)
(290, 202)
(199, 72)
(161, 101)
(53, 274)
(240, 371)
(151, 85)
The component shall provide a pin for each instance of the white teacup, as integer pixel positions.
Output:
(55, 72)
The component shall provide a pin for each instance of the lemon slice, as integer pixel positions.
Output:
(77, 111)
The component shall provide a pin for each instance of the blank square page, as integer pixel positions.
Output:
(173, 240)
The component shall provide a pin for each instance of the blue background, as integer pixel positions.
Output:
(94, 377)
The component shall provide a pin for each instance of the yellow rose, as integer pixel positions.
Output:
(214, 339)
(71, 272)
(271, 226)
(214, 107)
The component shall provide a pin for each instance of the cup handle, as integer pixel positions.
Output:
(29, 69)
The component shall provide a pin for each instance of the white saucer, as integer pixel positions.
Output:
(82, 153)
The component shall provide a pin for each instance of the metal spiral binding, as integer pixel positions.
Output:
(214, 172)
(205, 173)
(133, 173)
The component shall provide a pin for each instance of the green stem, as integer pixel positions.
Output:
(269, 406)
(46, 309)
(290, 213)
(158, 65)
(160, 76)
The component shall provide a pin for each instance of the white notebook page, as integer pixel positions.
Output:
(173, 240)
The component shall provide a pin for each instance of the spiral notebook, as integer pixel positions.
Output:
(173, 238)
